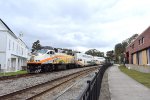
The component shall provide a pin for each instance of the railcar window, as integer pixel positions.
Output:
(79, 59)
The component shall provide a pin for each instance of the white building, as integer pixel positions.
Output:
(13, 51)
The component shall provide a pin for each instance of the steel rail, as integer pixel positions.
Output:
(19, 92)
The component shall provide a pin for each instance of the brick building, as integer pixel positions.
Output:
(138, 52)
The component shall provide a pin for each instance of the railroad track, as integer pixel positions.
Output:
(40, 89)
(3, 78)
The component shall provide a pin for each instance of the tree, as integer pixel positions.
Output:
(95, 52)
(118, 51)
(68, 51)
(36, 46)
(132, 38)
(121, 47)
(124, 45)
(110, 54)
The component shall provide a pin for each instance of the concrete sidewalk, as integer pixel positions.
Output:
(122, 87)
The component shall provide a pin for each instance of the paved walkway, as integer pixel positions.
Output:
(122, 87)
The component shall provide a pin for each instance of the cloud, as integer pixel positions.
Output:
(76, 24)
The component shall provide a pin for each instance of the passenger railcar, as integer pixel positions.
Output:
(82, 59)
(99, 60)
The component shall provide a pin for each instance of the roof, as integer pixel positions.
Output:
(133, 41)
(138, 37)
(23, 42)
(47, 47)
(10, 31)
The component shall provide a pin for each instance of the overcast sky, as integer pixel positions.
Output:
(76, 24)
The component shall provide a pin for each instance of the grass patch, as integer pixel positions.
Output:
(143, 78)
(13, 73)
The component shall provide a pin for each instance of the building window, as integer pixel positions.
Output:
(22, 51)
(13, 46)
(9, 44)
(139, 42)
(142, 40)
(17, 48)
(133, 46)
(148, 55)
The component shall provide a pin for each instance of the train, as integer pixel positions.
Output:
(47, 60)
(99, 60)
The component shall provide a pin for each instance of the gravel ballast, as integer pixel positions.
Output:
(77, 89)
(9, 86)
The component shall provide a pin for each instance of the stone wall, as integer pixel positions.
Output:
(144, 69)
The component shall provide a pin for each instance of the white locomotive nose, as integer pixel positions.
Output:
(39, 54)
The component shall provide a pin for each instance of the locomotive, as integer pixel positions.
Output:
(46, 60)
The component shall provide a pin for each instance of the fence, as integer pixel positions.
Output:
(92, 91)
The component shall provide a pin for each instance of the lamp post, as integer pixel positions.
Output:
(124, 59)
(119, 59)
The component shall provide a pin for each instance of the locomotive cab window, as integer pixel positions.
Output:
(51, 52)
(79, 59)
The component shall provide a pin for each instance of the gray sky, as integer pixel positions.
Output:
(76, 24)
